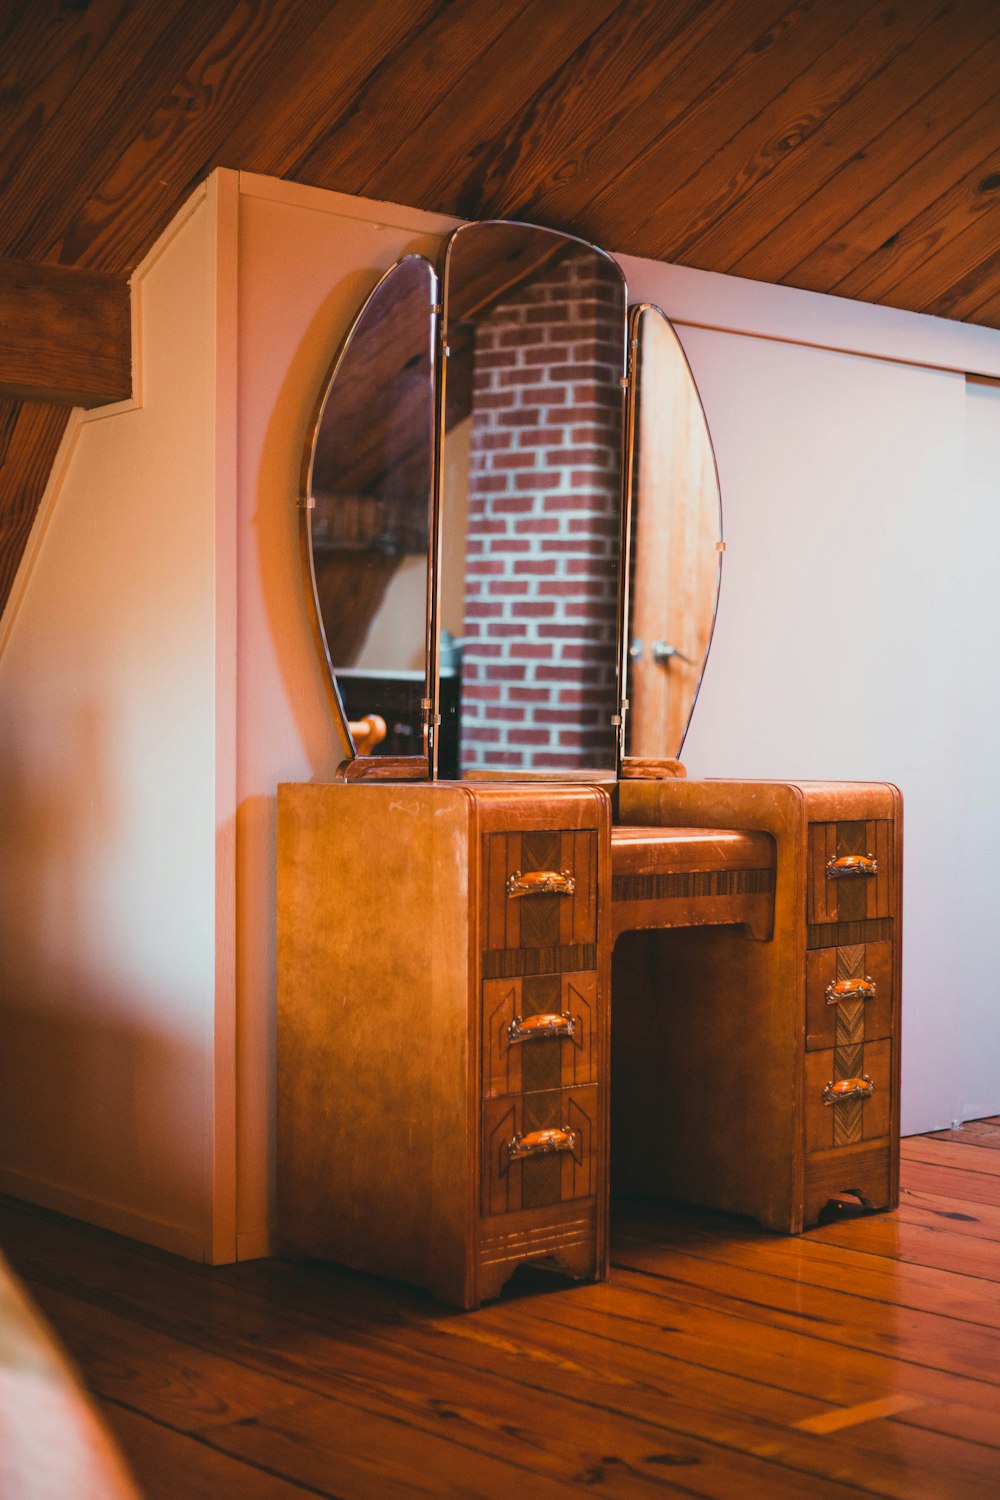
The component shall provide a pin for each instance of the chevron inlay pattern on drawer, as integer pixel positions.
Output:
(849, 1047)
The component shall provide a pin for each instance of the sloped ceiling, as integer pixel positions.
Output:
(837, 145)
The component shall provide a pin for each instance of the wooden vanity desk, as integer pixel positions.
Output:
(457, 1044)
(528, 965)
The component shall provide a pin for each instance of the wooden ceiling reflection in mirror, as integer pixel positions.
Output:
(367, 486)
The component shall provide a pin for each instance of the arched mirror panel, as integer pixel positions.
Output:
(676, 542)
(531, 504)
(367, 496)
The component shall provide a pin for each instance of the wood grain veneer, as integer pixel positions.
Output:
(392, 1140)
(402, 1088)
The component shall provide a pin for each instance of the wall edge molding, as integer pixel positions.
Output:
(175, 1238)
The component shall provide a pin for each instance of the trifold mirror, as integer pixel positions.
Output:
(481, 465)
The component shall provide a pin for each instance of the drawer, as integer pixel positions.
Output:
(539, 1033)
(539, 1149)
(850, 873)
(539, 888)
(849, 1120)
(866, 1169)
(848, 995)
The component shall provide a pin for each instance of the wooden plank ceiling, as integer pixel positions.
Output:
(839, 145)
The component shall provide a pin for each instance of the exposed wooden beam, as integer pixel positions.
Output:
(65, 335)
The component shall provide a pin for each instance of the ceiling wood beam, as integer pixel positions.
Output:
(66, 335)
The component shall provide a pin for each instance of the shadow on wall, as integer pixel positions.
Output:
(103, 1083)
(91, 1109)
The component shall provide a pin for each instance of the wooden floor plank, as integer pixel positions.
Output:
(172, 1467)
(966, 1185)
(934, 1340)
(810, 1260)
(954, 1153)
(862, 1358)
(975, 1134)
(244, 1411)
(524, 1400)
(864, 1457)
(545, 1374)
(924, 1233)
(307, 1423)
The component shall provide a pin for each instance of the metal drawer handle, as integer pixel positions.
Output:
(541, 1142)
(851, 864)
(848, 1088)
(536, 1028)
(541, 883)
(850, 989)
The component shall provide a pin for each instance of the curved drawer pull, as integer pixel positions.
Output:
(536, 1028)
(850, 989)
(541, 1142)
(851, 864)
(848, 1088)
(541, 883)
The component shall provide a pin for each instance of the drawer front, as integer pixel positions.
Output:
(841, 856)
(848, 995)
(522, 909)
(539, 1033)
(850, 1120)
(539, 1149)
(865, 1169)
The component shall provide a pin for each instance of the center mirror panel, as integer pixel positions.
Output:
(531, 513)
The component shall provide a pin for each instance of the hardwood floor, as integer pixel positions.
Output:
(860, 1359)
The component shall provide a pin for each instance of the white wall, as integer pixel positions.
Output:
(844, 598)
(115, 676)
(972, 757)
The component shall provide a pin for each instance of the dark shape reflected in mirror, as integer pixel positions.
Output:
(367, 488)
(676, 525)
(535, 325)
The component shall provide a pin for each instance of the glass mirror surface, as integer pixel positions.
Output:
(531, 484)
(367, 484)
(676, 531)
